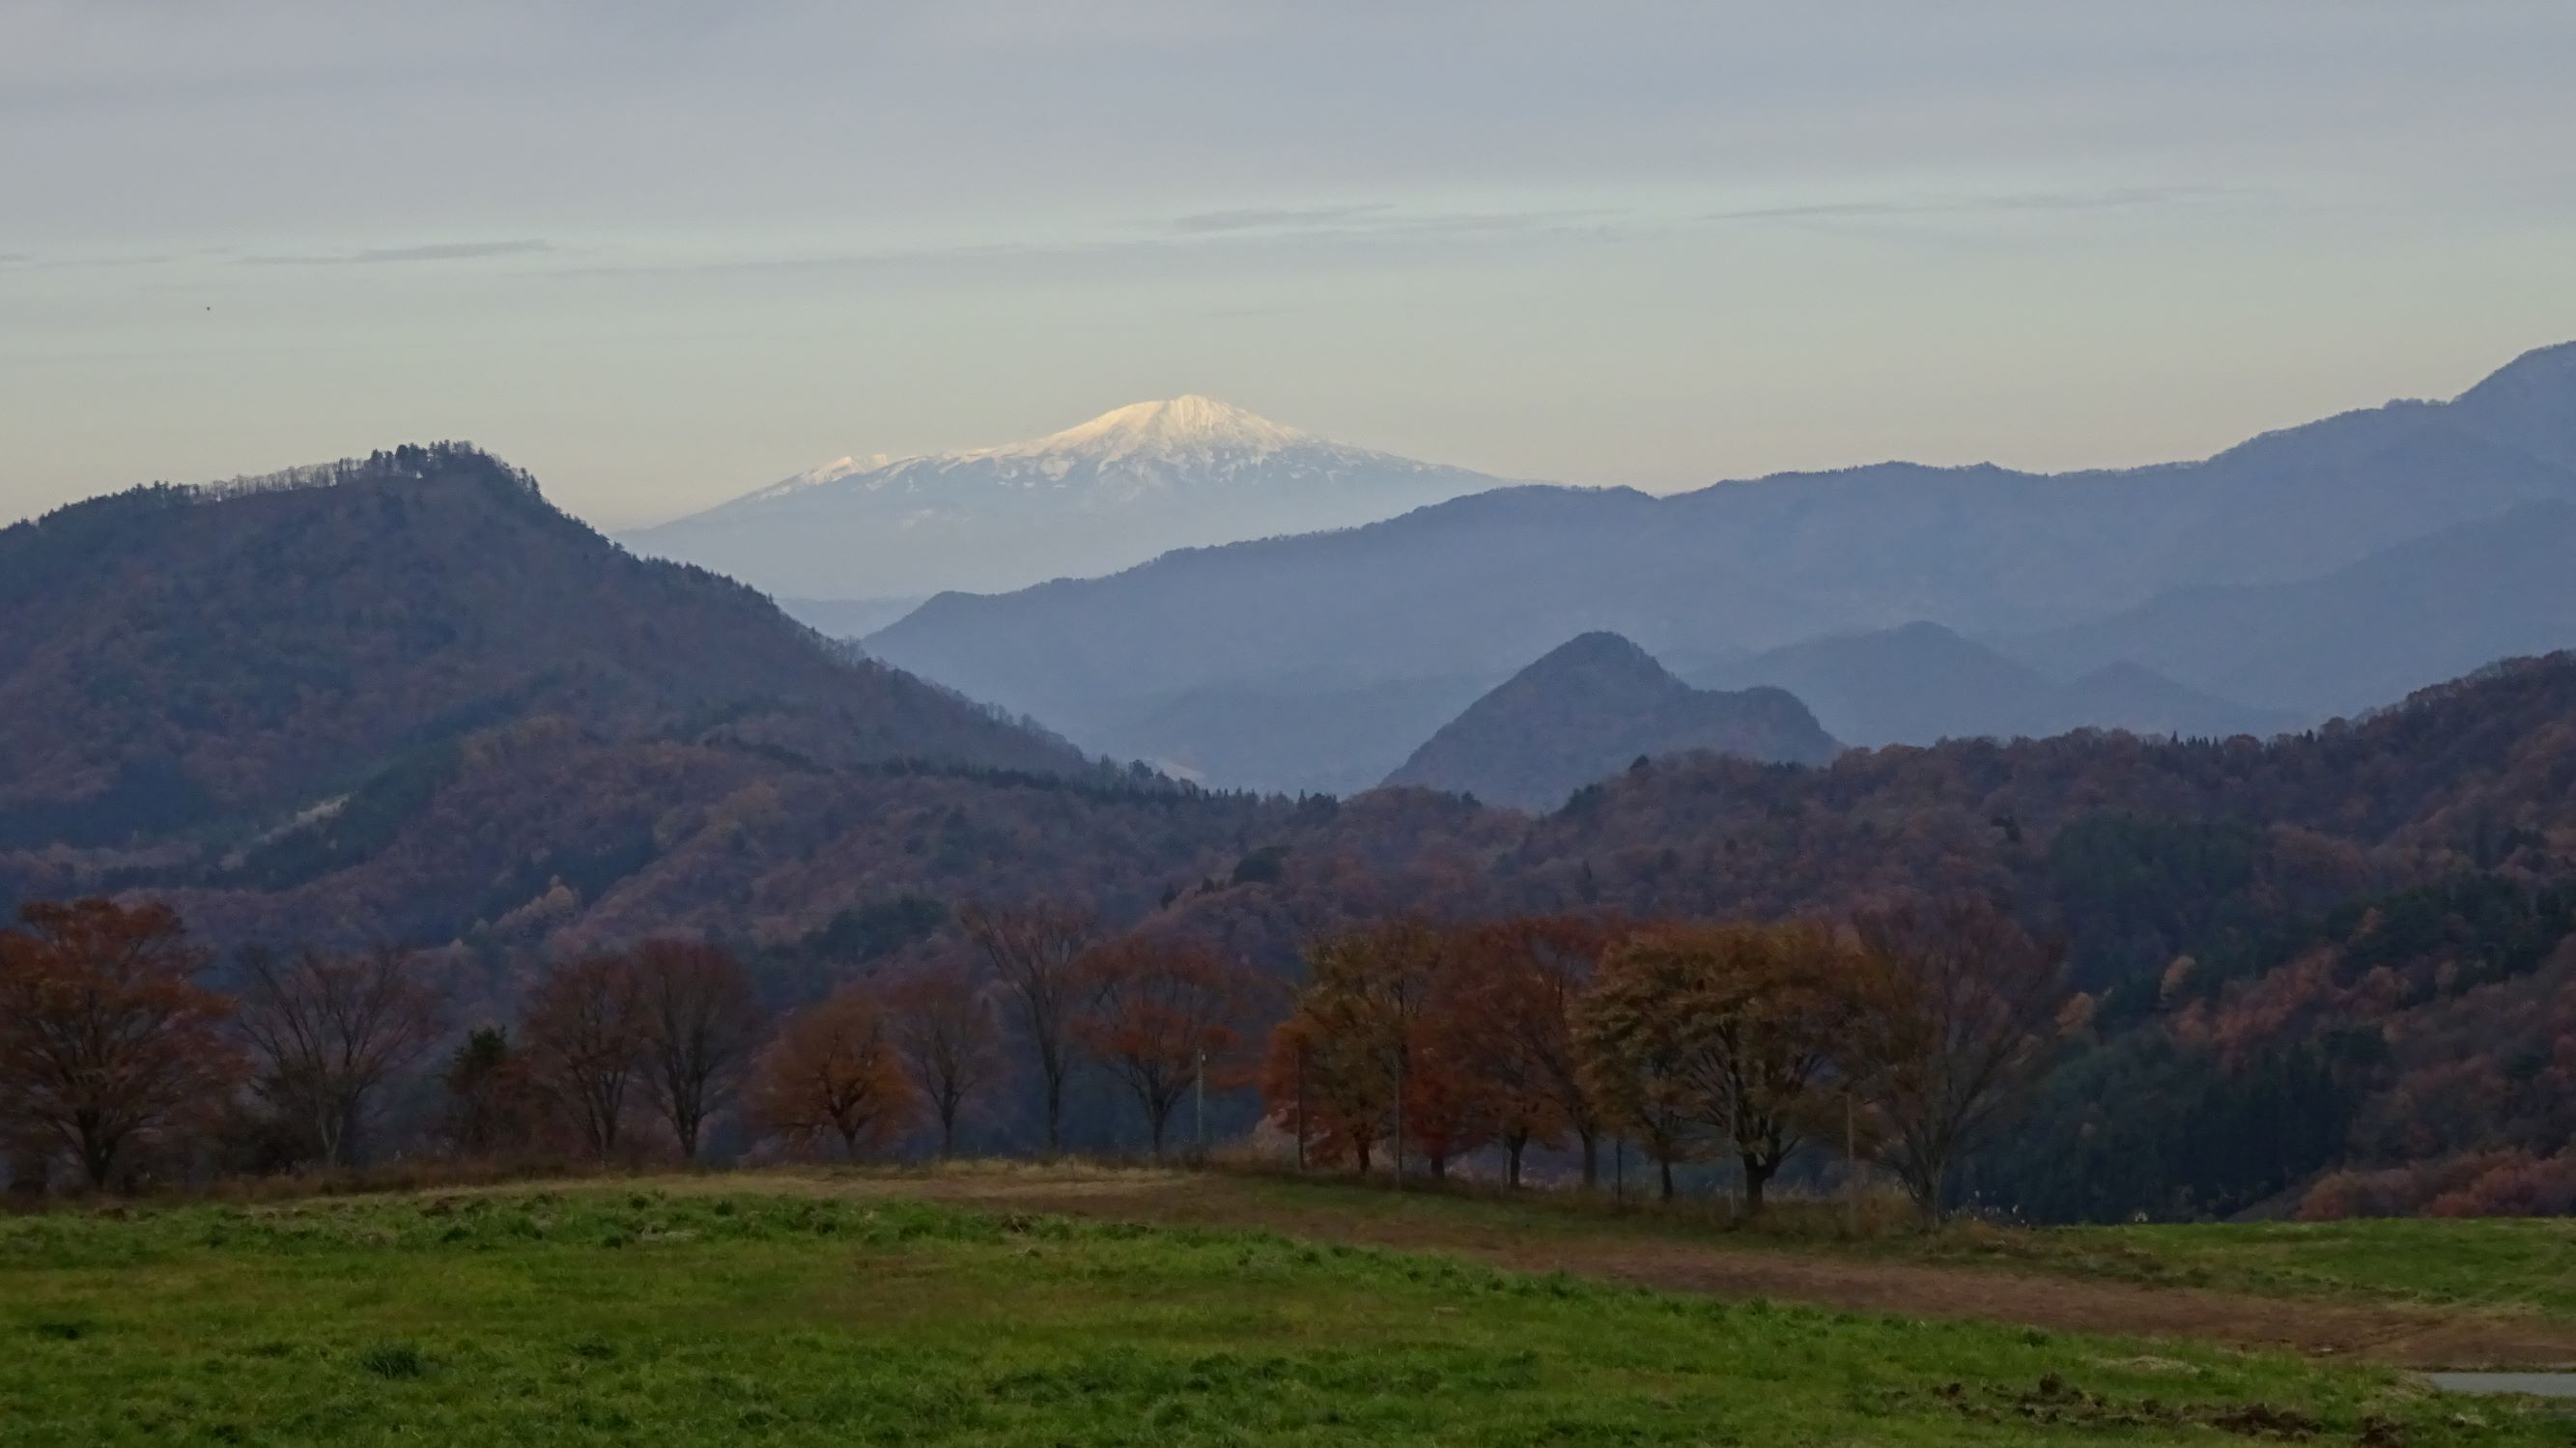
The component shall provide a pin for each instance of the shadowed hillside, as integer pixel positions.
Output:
(172, 657)
(1587, 710)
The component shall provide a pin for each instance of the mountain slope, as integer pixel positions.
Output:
(1590, 708)
(1923, 683)
(1478, 584)
(2359, 636)
(1108, 494)
(171, 656)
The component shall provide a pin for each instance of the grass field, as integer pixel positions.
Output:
(2518, 1263)
(2521, 1265)
(713, 1312)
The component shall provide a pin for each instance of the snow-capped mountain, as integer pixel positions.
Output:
(1106, 495)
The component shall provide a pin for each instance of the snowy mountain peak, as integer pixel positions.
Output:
(1179, 426)
(1183, 472)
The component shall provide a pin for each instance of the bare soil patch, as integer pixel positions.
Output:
(2401, 1335)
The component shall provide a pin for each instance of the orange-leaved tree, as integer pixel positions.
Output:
(1325, 1092)
(1349, 1044)
(1636, 1060)
(833, 1072)
(106, 1040)
(1731, 1028)
(941, 1016)
(1957, 1009)
(1161, 1016)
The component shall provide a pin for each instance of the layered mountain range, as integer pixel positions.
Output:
(2159, 599)
(1105, 495)
(404, 700)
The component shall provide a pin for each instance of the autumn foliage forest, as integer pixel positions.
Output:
(486, 838)
(1409, 1046)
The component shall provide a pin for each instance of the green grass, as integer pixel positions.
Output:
(2518, 1263)
(618, 1314)
(2514, 1264)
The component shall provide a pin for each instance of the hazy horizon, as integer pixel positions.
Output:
(662, 257)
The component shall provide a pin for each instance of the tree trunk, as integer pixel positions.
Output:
(1364, 1158)
(1438, 1161)
(1401, 1062)
(1757, 1175)
(1925, 1184)
(1155, 1123)
(1516, 1148)
(850, 1145)
(1665, 1164)
(97, 1153)
(1054, 1111)
(947, 1129)
(1591, 1160)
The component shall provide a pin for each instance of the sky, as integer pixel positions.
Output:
(662, 252)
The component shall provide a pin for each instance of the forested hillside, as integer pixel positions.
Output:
(410, 704)
(176, 659)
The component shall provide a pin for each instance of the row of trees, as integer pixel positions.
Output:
(1903, 1033)
(112, 1044)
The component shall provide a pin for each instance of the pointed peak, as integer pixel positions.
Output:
(1599, 652)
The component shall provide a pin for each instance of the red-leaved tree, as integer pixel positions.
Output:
(1160, 1017)
(106, 1039)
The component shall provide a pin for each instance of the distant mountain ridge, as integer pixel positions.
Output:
(1922, 683)
(176, 657)
(1092, 499)
(2360, 636)
(1590, 708)
(1477, 586)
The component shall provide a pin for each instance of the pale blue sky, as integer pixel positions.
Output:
(662, 252)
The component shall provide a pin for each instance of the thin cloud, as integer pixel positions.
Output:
(1375, 226)
(1271, 218)
(390, 255)
(1899, 208)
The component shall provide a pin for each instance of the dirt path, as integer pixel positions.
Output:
(2408, 1336)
